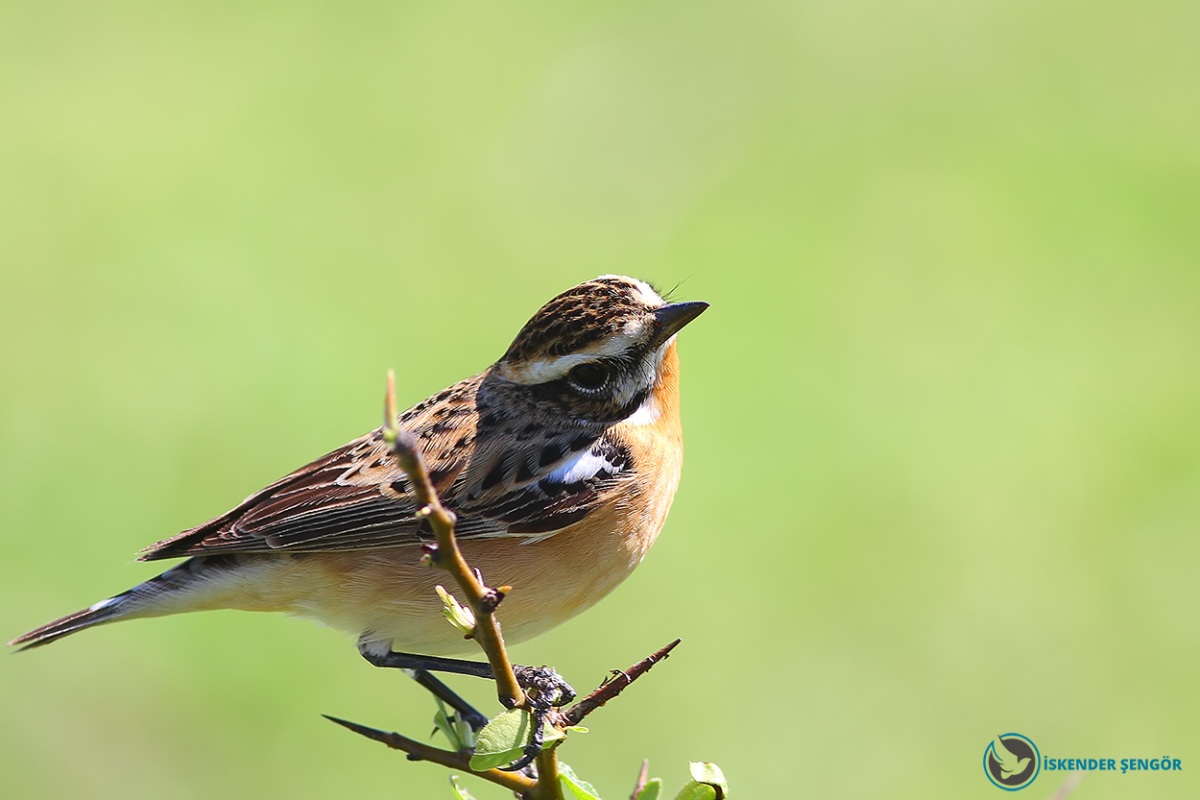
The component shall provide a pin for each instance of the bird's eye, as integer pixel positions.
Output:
(589, 377)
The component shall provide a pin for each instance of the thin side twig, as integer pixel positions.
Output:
(419, 751)
(481, 599)
(614, 686)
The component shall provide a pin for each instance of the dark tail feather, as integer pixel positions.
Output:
(167, 593)
(97, 614)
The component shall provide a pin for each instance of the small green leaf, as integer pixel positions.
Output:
(651, 790)
(574, 786)
(459, 615)
(709, 773)
(459, 792)
(458, 732)
(442, 723)
(696, 791)
(503, 740)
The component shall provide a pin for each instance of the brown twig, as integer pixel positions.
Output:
(481, 600)
(548, 786)
(614, 686)
(419, 751)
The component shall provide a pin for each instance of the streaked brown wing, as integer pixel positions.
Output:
(356, 498)
(311, 504)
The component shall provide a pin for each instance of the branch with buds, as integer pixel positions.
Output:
(480, 599)
(531, 725)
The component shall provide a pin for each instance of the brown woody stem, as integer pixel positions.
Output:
(548, 786)
(480, 599)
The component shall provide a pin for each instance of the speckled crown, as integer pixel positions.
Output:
(583, 316)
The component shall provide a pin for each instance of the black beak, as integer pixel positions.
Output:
(669, 319)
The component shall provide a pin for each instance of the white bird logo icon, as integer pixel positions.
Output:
(1010, 764)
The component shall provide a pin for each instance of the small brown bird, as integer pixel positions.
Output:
(560, 460)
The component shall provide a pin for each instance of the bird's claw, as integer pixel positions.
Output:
(544, 687)
(528, 754)
(545, 690)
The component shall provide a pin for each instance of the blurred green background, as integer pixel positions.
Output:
(943, 475)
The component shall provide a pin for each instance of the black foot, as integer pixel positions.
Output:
(530, 751)
(545, 689)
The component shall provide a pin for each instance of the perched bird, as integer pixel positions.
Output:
(560, 461)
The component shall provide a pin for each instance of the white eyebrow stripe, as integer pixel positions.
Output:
(541, 370)
(548, 369)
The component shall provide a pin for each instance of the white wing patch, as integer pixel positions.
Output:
(580, 467)
(566, 495)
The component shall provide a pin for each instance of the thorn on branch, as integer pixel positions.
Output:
(396, 741)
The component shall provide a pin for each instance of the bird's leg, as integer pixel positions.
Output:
(414, 661)
(538, 681)
(544, 687)
(466, 712)
(420, 668)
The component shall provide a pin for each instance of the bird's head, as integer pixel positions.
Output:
(596, 351)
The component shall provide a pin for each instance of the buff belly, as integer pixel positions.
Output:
(387, 595)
